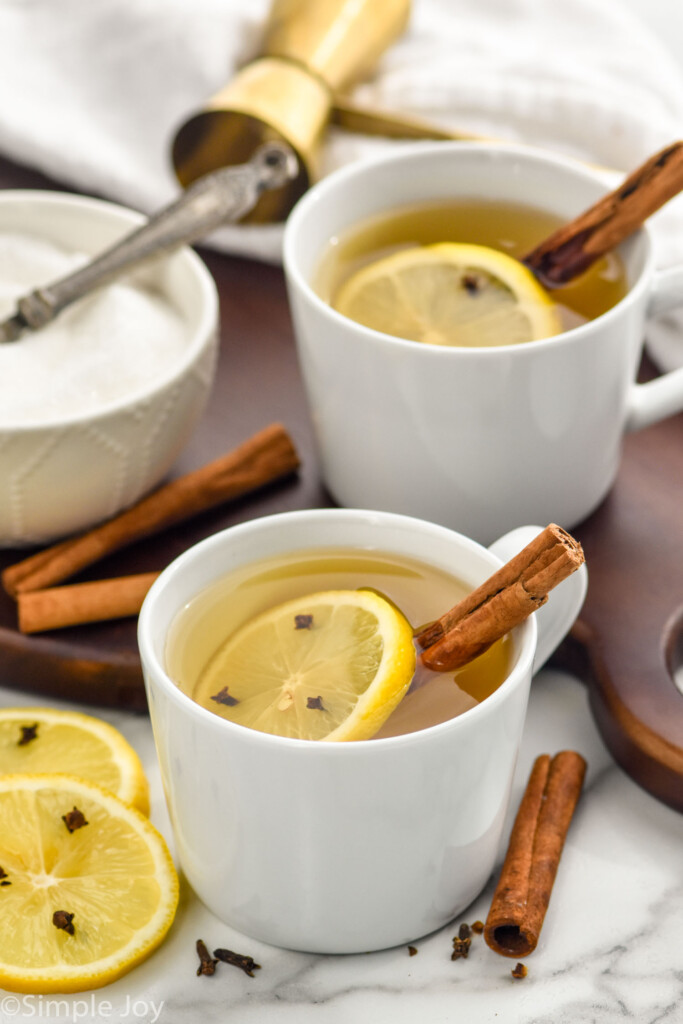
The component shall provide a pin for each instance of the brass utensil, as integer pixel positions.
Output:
(311, 53)
(222, 196)
(355, 117)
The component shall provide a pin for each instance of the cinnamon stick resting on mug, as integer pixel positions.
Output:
(575, 246)
(266, 456)
(519, 904)
(503, 601)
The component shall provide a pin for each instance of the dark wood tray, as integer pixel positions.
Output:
(628, 639)
(628, 642)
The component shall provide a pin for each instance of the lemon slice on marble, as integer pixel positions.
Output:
(87, 888)
(45, 740)
(450, 294)
(328, 666)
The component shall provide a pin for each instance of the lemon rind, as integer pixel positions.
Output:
(147, 939)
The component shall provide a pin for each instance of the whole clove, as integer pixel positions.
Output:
(207, 963)
(223, 697)
(28, 734)
(245, 963)
(74, 819)
(62, 919)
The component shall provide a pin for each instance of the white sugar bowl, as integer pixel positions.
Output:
(95, 408)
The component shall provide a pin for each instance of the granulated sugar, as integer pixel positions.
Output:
(106, 348)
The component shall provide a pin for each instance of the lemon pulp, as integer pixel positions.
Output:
(453, 294)
(44, 740)
(113, 873)
(327, 666)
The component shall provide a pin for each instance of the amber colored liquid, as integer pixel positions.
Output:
(511, 228)
(421, 592)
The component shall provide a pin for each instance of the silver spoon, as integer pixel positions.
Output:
(217, 198)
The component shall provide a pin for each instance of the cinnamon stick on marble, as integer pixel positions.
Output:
(575, 246)
(505, 599)
(58, 607)
(519, 904)
(263, 458)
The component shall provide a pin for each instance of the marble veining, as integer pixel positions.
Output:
(609, 950)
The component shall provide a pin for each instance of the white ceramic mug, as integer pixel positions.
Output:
(481, 440)
(340, 847)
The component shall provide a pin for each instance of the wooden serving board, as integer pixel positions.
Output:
(625, 646)
(628, 641)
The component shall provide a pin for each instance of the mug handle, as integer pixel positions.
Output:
(556, 617)
(663, 396)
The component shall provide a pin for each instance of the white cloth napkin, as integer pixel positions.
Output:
(92, 91)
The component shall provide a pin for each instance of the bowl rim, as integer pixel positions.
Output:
(200, 337)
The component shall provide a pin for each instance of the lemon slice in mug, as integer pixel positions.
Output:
(450, 294)
(87, 889)
(327, 666)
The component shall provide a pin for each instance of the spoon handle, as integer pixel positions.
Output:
(575, 246)
(221, 196)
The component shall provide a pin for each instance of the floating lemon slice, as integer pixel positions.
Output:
(450, 294)
(328, 666)
(43, 740)
(87, 890)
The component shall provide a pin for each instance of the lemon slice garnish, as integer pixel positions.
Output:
(328, 666)
(450, 294)
(113, 873)
(45, 740)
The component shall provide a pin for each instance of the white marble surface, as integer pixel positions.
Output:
(609, 950)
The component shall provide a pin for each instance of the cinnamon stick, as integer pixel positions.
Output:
(504, 600)
(575, 246)
(58, 607)
(519, 904)
(263, 458)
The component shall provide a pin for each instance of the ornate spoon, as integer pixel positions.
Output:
(217, 198)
